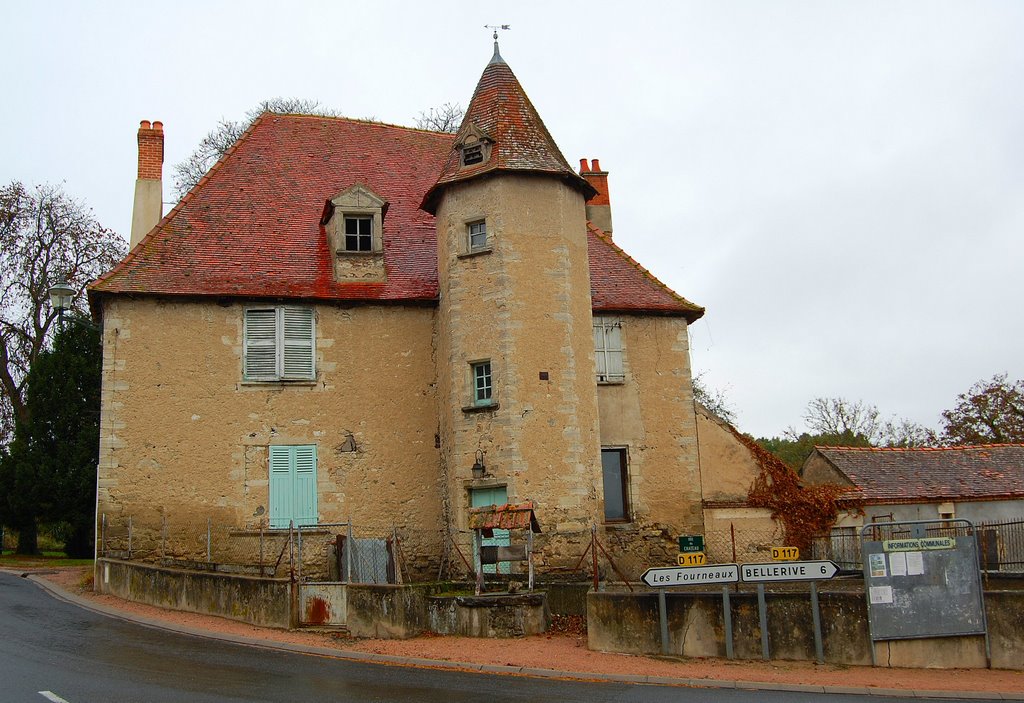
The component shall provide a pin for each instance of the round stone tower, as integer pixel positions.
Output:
(515, 355)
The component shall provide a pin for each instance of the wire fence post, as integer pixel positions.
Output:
(349, 544)
(209, 529)
(291, 550)
(129, 538)
(298, 560)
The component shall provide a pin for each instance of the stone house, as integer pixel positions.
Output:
(978, 483)
(348, 320)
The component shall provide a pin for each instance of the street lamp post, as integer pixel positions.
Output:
(60, 298)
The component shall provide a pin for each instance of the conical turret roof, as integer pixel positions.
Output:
(502, 114)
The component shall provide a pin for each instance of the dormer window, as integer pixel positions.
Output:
(474, 146)
(358, 233)
(472, 154)
(354, 221)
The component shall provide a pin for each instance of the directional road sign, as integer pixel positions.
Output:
(789, 571)
(691, 576)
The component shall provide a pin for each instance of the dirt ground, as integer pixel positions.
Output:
(567, 651)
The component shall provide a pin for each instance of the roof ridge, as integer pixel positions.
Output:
(359, 120)
(955, 447)
(600, 234)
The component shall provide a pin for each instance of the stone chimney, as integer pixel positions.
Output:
(599, 207)
(149, 196)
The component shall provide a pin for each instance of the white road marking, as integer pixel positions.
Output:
(52, 697)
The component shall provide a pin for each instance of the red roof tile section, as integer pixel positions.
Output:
(501, 109)
(251, 228)
(951, 473)
(619, 284)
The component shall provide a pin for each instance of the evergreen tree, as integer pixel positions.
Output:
(49, 474)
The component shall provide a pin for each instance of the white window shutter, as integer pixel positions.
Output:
(299, 344)
(613, 343)
(260, 343)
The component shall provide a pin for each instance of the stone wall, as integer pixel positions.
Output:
(625, 622)
(184, 437)
(651, 413)
(260, 601)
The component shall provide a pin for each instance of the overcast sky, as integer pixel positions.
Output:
(840, 184)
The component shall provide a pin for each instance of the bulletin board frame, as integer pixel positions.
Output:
(922, 579)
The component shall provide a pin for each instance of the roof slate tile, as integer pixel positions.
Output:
(950, 473)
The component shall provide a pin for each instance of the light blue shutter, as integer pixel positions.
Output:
(293, 486)
(281, 492)
(260, 336)
(304, 486)
(298, 342)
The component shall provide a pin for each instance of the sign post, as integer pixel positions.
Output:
(776, 572)
(663, 577)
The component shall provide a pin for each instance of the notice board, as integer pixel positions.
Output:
(922, 583)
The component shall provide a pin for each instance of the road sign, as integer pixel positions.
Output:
(691, 576)
(691, 543)
(790, 571)
(692, 559)
(785, 553)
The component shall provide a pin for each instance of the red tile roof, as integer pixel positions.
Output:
(500, 108)
(251, 228)
(619, 284)
(950, 473)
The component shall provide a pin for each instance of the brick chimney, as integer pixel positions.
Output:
(149, 197)
(599, 208)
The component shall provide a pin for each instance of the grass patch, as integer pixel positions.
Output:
(46, 560)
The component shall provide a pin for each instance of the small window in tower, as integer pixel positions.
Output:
(482, 386)
(477, 235)
(472, 154)
(358, 234)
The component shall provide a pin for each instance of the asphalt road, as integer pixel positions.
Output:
(53, 650)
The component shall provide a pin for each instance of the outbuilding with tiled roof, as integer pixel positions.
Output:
(978, 483)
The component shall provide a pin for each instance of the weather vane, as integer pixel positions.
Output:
(496, 27)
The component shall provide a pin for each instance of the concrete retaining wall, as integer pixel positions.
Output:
(626, 622)
(260, 601)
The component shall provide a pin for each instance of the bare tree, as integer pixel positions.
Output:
(901, 432)
(45, 236)
(838, 416)
(222, 137)
(446, 118)
(714, 399)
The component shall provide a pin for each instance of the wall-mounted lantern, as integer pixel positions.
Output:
(479, 470)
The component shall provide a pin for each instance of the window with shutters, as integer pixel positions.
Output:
(280, 344)
(293, 486)
(608, 350)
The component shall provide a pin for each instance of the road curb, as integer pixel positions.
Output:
(368, 657)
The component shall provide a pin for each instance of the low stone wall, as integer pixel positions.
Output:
(261, 601)
(495, 615)
(628, 622)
